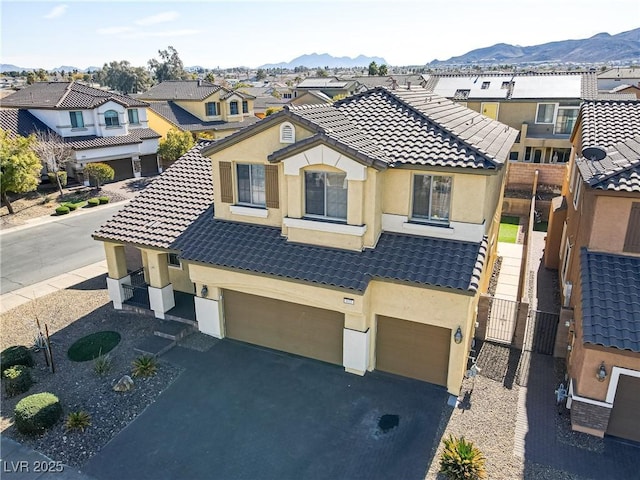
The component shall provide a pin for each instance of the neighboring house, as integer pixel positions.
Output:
(359, 233)
(543, 107)
(99, 126)
(264, 99)
(389, 81)
(625, 89)
(614, 77)
(311, 97)
(598, 231)
(198, 107)
(330, 86)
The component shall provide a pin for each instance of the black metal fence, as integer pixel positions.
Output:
(544, 331)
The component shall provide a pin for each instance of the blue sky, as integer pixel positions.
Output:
(215, 33)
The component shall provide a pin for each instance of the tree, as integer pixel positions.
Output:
(169, 67)
(261, 74)
(383, 70)
(42, 75)
(321, 72)
(53, 153)
(175, 145)
(123, 77)
(373, 69)
(99, 173)
(31, 78)
(210, 77)
(19, 166)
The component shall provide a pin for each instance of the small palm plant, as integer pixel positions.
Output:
(78, 420)
(462, 460)
(145, 366)
(102, 364)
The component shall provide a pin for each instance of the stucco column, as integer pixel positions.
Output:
(355, 206)
(117, 273)
(355, 344)
(161, 298)
(209, 312)
(159, 163)
(137, 167)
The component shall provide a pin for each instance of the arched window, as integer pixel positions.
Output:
(111, 118)
(287, 133)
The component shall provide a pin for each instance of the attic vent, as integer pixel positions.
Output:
(594, 153)
(287, 133)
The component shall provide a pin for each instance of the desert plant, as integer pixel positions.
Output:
(102, 364)
(62, 175)
(16, 355)
(37, 412)
(79, 420)
(145, 366)
(98, 173)
(103, 200)
(17, 380)
(93, 202)
(462, 460)
(62, 210)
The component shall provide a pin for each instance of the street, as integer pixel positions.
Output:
(37, 253)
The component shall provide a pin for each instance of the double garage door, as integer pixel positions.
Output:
(624, 421)
(402, 347)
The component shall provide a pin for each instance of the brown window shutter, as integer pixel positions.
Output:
(226, 182)
(271, 186)
(632, 239)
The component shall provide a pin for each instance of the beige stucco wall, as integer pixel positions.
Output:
(180, 280)
(610, 222)
(440, 307)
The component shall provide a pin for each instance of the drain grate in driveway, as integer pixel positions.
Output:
(388, 422)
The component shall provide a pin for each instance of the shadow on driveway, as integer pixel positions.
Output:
(239, 411)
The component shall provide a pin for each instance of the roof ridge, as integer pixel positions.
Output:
(67, 91)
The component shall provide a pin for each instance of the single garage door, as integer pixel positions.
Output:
(123, 168)
(148, 165)
(413, 349)
(624, 421)
(290, 327)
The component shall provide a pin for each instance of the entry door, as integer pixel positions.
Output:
(490, 109)
(537, 155)
(624, 421)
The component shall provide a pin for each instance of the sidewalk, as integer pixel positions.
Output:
(507, 287)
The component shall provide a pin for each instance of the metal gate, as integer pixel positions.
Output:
(501, 321)
(136, 292)
(545, 326)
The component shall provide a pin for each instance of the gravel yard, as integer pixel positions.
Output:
(71, 314)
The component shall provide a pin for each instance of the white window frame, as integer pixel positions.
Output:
(555, 122)
(133, 112)
(565, 260)
(115, 118)
(245, 106)
(237, 107)
(170, 264)
(578, 189)
(325, 216)
(287, 133)
(251, 203)
(430, 219)
(216, 109)
(74, 114)
(555, 113)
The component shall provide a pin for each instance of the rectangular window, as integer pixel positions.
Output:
(632, 237)
(251, 190)
(326, 195)
(76, 120)
(566, 120)
(245, 106)
(431, 198)
(578, 185)
(173, 260)
(513, 156)
(233, 108)
(133, 116)
(546, 112)
(111, 118)
(213, 109)
(565, 261)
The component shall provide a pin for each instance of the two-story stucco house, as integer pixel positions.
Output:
(598, 230)
(359, 233)
(198, 107)
(99, 126)
(543, 107)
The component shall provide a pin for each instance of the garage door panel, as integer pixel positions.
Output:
(413, 349)
(123, 168)
(300, 329)
(149, 165)
(624, 421)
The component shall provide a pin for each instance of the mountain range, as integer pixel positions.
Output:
(315, 60)
(623, 47)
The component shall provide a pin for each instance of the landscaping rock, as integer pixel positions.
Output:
(124, 384)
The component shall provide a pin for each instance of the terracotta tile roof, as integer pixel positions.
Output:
(136, 135)
(21, 122)
(163, 210)
(179, 117)
(614, 126)
(610, 300)
(409, 127)
(65, 96)
(263, 250)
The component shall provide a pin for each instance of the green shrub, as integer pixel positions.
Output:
(17, 380)
(103, 200)
(62, 210)
(70, 206)
(16, 355)
(93, 202)
(35, 413)
(61, 175)
(78, 420)
(102, 364)
(145, 366)
(461, 460)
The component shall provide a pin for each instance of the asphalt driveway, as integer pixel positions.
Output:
(241, 412)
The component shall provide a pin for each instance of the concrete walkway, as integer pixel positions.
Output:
(507, 287)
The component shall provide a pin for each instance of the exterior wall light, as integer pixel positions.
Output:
(204, 290)
(457, 337)
(601, 375)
